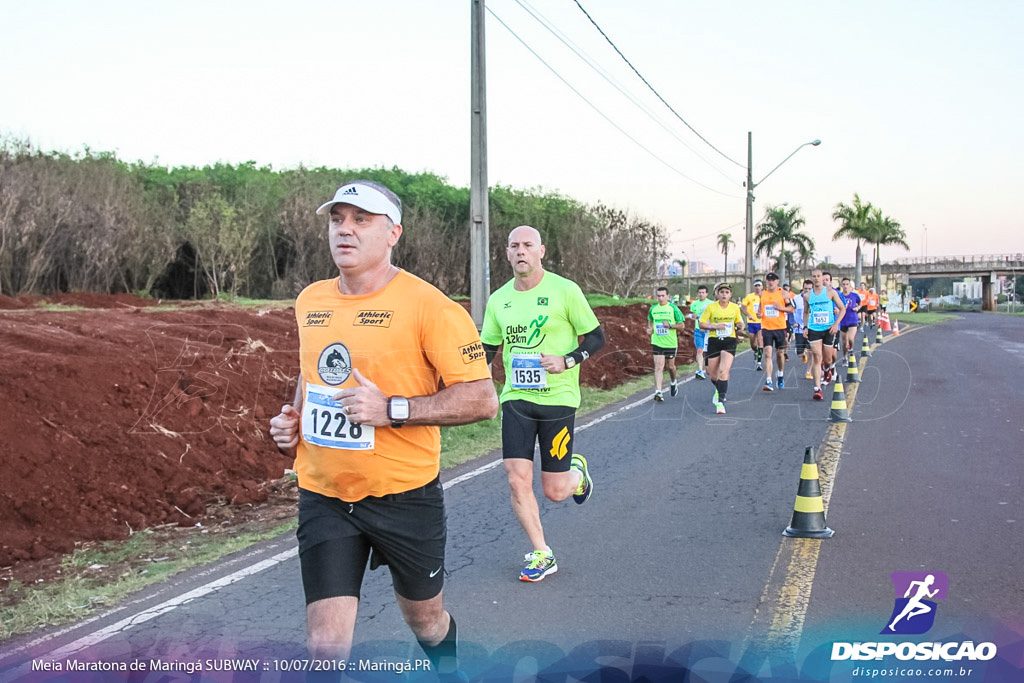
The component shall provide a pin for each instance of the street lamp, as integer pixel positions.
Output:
(748, 270)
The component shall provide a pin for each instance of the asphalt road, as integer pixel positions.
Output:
(677, 563)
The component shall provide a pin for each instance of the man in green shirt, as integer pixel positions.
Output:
(538, 317)
(700, 337)
(663, 320)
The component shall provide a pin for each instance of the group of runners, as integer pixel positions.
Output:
(385, 360)
(818, 321)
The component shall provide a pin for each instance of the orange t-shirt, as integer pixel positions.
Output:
(405, 338)
(871, 301)
(772, 315)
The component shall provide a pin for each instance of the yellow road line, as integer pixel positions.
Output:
(779, 617)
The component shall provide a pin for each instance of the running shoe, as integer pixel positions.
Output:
(818, 396)
(759, 367)
(785, 355)
(768, 385)
(658, 397)
(714, 399)
(701, 374)
(808, 375)
(803, 357)
(780, 382)
(539, 564)
(586, 487)
(673, 389)
(720, 408)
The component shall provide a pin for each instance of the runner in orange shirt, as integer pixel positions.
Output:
(871, 306)
(375, 343)
(772, 311)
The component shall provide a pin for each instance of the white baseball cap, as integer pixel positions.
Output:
(366, 198)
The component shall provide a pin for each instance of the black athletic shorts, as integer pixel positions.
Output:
(524, 422)
(406, 531)
(847, 328)
(776, 338)
(827, 338)
(716, 347)
(667, 351)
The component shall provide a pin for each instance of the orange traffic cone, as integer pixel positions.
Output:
(809, 509)
(896, 328)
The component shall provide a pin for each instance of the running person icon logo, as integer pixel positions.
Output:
(914, 609)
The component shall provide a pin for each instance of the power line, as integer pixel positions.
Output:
(652, 87)
(547, 24)
(601, 113)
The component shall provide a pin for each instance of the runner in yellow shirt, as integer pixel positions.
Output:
(750, 305)
(722, 319)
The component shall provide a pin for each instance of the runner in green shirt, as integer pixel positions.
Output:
(663, 320)
(538, 317)
(700, 337)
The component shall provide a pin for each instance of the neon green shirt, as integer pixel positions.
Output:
(661, 317)
(546, 319)
(697, 308)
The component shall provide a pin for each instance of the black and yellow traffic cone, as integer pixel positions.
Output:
(809, 510)
(865, 352)
(878, 335)
(839, 412)
(852, 373)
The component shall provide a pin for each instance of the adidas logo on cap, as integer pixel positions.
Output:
(351, 190)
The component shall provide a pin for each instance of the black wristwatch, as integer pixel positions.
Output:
(398, 410)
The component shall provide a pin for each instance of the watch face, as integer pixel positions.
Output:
(399, 408)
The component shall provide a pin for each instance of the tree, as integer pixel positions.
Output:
(780, 228)
(612, 252)
(854, 219)
(883, 230)
(724, 240)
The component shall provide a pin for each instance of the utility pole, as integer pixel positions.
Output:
(479, 211)
(748, 271)
(748, 260)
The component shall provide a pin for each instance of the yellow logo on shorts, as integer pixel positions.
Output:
(560, 444)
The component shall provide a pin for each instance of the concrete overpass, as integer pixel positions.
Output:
(896, 275)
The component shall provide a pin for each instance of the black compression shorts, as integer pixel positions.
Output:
(523, 423)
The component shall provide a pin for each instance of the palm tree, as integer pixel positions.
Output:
(854, 219)
(724, 240)
(781, 227)
(883, 230)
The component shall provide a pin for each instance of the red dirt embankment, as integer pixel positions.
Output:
(118, 418)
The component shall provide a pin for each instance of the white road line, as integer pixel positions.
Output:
(164, 607)
(153, 612)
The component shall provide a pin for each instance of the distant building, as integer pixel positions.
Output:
(968, 289)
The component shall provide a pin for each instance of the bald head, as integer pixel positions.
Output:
(524, 233)
(525, 252)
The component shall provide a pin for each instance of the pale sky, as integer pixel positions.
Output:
(917, 103)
